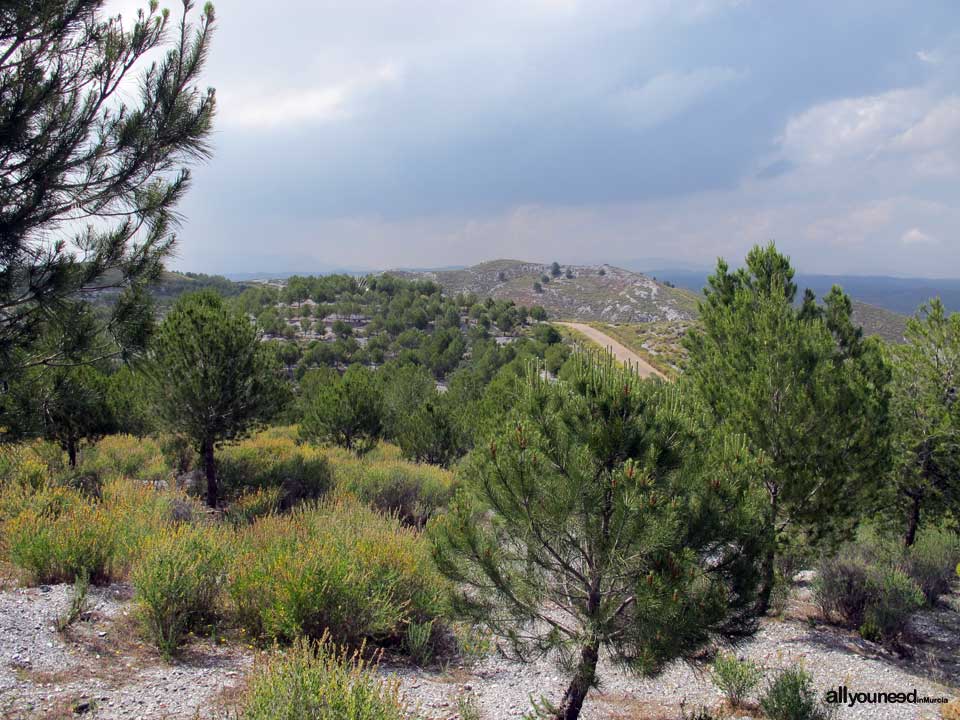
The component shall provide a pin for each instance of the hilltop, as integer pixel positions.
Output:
(608, 294)
(582, 292)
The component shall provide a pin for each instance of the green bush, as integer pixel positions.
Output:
(735, 678)
(320, 682)
(932, 560)
(790, 695)
(78, 606)
(178, 452)
(54, 534)
(138, 511)
(896, 597)
(419, 642)
(413, 492)
(866, 588)
(125, 456)
(843, 587)
(252, 505)
(339, 568)
(177, 582)
(273, 461)
(29, 466)
(63, 545)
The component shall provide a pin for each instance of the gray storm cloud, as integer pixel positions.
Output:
(374, 134)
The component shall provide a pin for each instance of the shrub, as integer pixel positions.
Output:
(867, 590)
(843, 588)
(178, 452)
(931, 562)
(413, 492)
(265, 461)
(54, 534)
(252, 505)
(79, 604)
(177, 581)
(139, 511)
(320, 682)
(338, 567)
(467, 707)
(735, 678)
(419, 642)
(62, 547)
(25, 466)
(51, 500)
(117, 456)
(791, 696)
(896, 596)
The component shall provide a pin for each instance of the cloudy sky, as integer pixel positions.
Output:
(372, 134)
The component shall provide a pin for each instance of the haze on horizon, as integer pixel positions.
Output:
(379, 134)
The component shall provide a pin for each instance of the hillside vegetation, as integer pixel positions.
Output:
(581, 292)
(289, 483)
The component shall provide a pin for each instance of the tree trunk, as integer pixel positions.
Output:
(913, 521)
(768, 574)
(210, 468)
(72, 452)
(580, 685)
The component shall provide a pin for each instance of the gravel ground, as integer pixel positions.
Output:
(833, 657)
(97, 668)
(100, 670)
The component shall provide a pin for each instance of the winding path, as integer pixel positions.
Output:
(620, 352)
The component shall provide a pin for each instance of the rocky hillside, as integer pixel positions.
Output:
(580, 292)
(875, 320)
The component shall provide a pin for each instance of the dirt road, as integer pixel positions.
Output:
(620, 351)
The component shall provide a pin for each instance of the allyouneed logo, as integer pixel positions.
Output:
(843, 696)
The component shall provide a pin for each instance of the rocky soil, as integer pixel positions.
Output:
(97, 668)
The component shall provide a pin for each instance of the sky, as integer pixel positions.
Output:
(372, 134)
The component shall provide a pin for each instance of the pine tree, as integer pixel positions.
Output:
(926, 409)
(804, 387)
(89, 178)
(434, 433)
(346, 411)
(64, 404)
(213, 379)
(603, 516)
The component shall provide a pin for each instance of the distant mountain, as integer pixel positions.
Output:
(283, 275)
(899, 295)
(593, 292)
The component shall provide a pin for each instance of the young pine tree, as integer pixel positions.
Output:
(64, 404)
(344, 410)
(212, 377)
(926, 411)
(603, 517)
(804, 387)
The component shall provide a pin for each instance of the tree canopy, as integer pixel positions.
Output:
(212, 377)
(926, 411)
(618, 521)
(805, 389)
(94, 148)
